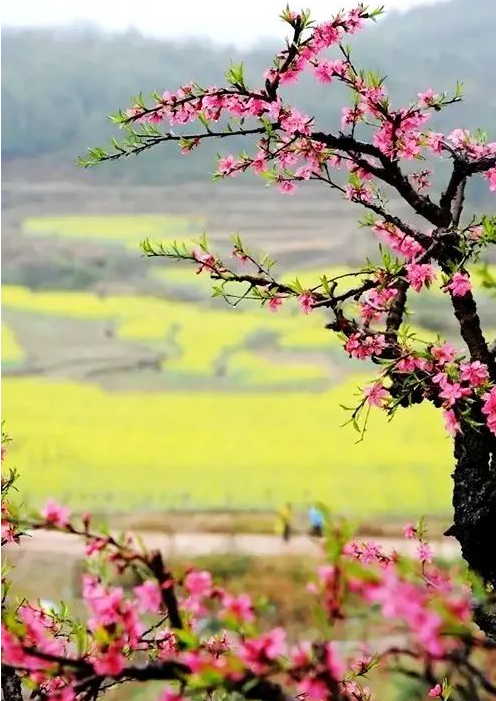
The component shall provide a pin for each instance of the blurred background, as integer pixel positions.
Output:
(128, 390)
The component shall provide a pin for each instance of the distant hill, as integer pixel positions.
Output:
(58, 85)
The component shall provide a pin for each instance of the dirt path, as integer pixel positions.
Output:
(193, 544)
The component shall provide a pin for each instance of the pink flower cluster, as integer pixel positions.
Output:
(489, 408)
(376, 303)
(377, 395)
(459, 285)
(362, 345)
(420, 275)
(398, 241)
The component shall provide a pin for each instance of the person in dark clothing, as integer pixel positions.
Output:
(285, 517)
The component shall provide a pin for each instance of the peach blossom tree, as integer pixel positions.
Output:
(378, 156)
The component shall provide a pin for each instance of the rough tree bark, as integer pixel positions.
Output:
(474, 507)
(11, 685)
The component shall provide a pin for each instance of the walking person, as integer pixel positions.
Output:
(316, 518)
(285, 518)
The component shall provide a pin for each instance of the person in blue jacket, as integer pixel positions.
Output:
(316, 518)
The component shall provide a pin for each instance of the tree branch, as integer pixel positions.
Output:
(465, 309)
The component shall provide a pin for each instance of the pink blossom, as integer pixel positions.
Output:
(228, 165)
(301, 654)
(366, 553)
(489, 409)
(169, 694)
(240, 607)
(259, 163)
(294, 121)
(406, 364)
(434, 140)
(427, 98)
(363, 346)
(421, 179)
(459, 285)
(207, 261)
(359, 193)
(110, 663)
(167, 643)
(333, 662)
(451, 422)
(443, 354)
(95, 545)
(377, 395)
(424, 553)
(452, 391)
(397, 239)
(420, 274)
(436, 691)
(326, 574)
(9, 533)
(304, 172)
(351, 115)
(377, 302)
(325, 35)
(289, 77)
(325, 70)
(459, 137)
(274, 303)
(275, 643)
(475, 373)
(306, 301)
(491, 176)
(198, 582)
(240, 255)
(149, 597)
(287, 187)
(257, 652)
(410, 531)
(313, 689)
(475, 233)
(55, 515)
(353, 20)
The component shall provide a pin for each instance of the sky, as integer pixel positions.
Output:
(224, 21)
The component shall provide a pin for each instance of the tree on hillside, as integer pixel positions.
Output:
(203, 639)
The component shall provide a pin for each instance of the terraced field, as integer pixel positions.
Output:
(125, 400)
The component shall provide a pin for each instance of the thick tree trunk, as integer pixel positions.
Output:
(11, 685)
(474, 504)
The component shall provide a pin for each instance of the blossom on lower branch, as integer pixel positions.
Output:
(489, 409)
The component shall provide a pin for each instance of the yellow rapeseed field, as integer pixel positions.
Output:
(12, 351)
(203, 334)
(125, 229)
(156, 450)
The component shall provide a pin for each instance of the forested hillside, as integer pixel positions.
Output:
(58, 85)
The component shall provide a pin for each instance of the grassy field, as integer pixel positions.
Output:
(190, 449)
